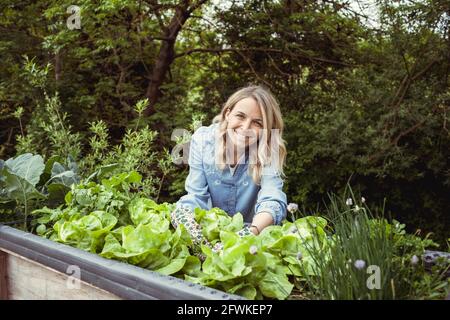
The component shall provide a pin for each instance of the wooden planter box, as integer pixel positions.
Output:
(32, 267)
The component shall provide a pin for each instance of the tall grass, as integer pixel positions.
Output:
(367, 258)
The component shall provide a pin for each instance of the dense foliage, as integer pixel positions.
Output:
(110, 220)
(364, 94)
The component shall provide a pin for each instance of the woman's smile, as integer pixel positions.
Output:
(241, 136)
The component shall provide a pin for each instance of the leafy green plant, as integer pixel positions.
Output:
(85, 232)
(49, 131)
(368, 258)
(254, 266)
(27, 182)
(310, 257)
(243, 267)
(19, 178)
(115, 219)
(112, 196)
(135, 152)
(152, 245)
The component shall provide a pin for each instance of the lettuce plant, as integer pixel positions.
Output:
(254, 266)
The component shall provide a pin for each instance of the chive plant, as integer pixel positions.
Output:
(366, 258)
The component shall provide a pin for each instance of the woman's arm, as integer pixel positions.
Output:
(271, 204)
(197, 192)
(196, 185)
(260, 221)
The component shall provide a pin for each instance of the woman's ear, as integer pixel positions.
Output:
(227, 113)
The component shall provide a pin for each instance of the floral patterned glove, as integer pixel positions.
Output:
(244, 232)
(184, 215)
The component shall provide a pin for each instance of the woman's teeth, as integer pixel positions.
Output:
(240, 136)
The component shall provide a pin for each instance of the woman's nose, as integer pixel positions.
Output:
(246, 125)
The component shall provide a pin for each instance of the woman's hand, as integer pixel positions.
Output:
(254, 229)
(244, 232)
(260, 221)
(185, 216)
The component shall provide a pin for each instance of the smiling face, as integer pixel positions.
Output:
(245, 122)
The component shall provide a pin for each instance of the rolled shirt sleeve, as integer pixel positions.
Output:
(271, 197)
(196, 184)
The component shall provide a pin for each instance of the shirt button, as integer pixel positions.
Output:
(217, 182)
(245, 183)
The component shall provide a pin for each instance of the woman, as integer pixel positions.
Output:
(236, 164)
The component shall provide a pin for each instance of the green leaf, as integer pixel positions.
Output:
(145, 237)
(141, 210)
(84, 197)
(174, 266)
(192, 266)
(19, 189)
(63, 176)
(102, 171)
(86, 232)
(71, 164)
(57, 192)
(275, 286)
(68, 198)
(122, 179)
(50, 162)
(46, 175)
(245, 290)
(112, 247)
(27, 167)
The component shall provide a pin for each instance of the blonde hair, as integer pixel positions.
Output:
(272, 119)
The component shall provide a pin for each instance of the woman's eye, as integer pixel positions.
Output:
(258, 124)
(240, 116)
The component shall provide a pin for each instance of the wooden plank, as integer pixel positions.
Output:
(29, 280)
(3, 283)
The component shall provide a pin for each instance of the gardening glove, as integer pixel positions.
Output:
(244, 232)
(184, 215)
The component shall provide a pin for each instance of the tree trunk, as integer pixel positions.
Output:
(167, 52)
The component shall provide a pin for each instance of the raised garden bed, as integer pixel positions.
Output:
(32, 267)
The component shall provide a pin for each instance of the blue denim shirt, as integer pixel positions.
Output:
(207, 186)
